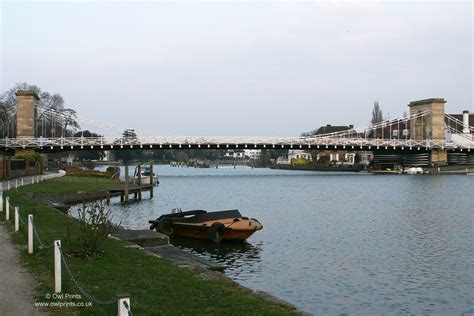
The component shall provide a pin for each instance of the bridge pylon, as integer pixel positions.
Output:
(26, 115)
(431, 126)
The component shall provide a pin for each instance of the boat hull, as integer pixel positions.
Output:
(213, 226)
(203, 233)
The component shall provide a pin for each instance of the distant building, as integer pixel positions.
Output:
(332, 129)
(293, 154)
(461, 125)
(253, 154)
(235, 154)
(341, 157)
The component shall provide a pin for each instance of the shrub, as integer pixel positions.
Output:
(95, 224)
(112, 169)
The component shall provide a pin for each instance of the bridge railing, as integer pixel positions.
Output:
(224, 142)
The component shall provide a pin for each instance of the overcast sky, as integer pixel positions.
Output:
(261, 69)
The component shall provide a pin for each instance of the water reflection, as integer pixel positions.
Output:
(240, 259)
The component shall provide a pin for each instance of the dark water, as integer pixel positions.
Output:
(336, 243)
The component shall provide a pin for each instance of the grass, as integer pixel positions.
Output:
(156, 286)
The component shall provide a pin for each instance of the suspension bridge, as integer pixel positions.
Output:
(427, 128)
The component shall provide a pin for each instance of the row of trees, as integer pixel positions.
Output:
(47, 125)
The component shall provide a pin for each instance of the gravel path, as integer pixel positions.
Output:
(17, 294)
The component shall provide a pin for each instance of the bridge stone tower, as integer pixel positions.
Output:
(26, 113)
(431, 126)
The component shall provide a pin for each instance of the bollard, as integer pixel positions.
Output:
(8, 185)
(22, 182)
(1, 201)
(30, 233)
(17, 219)
(7, 208)
(123, 302)
(16, 183)
(57, 266)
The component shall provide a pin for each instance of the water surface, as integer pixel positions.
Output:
(335, 243)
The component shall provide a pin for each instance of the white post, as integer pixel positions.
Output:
(42, 179)
(57, 266)
(1, 201)
(7, 208)
(123, 302)
(16, 183)
(17, 219)
(8, 185)
(30, 233)
(22, 183)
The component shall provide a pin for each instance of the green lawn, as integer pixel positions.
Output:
(156, 286)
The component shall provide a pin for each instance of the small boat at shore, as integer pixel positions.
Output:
(213, 226)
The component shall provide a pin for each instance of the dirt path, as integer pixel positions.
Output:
(17, 295)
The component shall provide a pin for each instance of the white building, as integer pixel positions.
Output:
(236, 154)
(253, 154)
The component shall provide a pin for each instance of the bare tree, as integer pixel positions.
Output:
(47, 124)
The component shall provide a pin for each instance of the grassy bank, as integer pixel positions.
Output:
(156, 286)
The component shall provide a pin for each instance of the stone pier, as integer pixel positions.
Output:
(431, 126)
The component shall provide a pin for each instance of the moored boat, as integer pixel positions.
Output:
(213, 226)
(145, 178)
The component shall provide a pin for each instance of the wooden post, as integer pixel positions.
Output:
(139, 170)
(57, 266)
(30, 233)
(151, 181)
(123, 304)
(7, 209)
(126, 184)
(17, 219)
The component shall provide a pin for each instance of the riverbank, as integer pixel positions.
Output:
(155, 285)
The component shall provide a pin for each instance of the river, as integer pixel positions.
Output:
(334, 243)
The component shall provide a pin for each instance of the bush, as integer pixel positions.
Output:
(30, 155)
(94, 227)
(112, 169)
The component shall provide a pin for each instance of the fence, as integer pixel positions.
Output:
(122, 301)
(19, 182)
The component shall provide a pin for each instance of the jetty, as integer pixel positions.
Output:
(124, 192)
